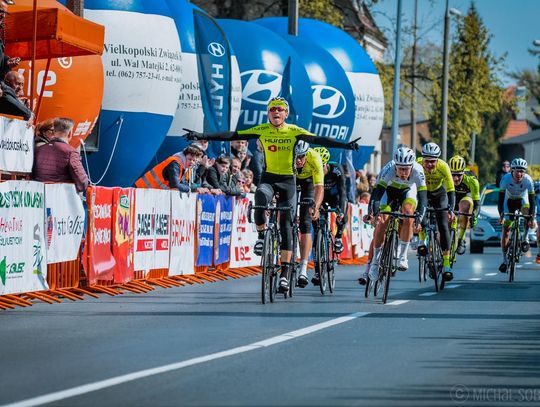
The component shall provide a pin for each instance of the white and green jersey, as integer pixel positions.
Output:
(389, 179)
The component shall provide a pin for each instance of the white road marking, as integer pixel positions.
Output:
(475, 279)
(491, 274)
(428, 294)
(452, 286)
(518, 266)
(397, 302)
(113, 381)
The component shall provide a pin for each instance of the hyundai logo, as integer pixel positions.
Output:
(328, 102)
(216, 49)
(259, 86)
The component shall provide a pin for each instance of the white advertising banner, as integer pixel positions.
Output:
(152, 215)
(183, 223)
(142, 60)
(355, 225)
(16, 145)
(366, 231)
(23, 257)
(244, 235)
(64, 222)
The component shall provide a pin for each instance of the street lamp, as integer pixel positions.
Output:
(446, 53)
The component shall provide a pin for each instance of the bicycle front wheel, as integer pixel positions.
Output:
(514, 247)
(320, 260)
(330, 266)
(267, 268)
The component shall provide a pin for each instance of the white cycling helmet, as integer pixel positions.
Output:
(404, 156)
(301, 148)
(431, 150)
(518, 164)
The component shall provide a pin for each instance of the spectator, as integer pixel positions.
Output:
(372, 180)
(248, 181)
(218, 177)
(242, 155)
(505, 168)
(238, 148)
(175, 172)
(364, 198)
(6, 63)
(58, 161)
(236, 166)
(199, 171)
(362, 184)
(44, 132)
(10, 102)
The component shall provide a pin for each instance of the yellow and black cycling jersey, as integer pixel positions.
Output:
(440, 176)
(312, 168)
(469, 186)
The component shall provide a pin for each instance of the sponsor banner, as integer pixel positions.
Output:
(206, 211)
(214, 62)
(142, 60)
(152, 214)
(244, 235)
(23, 257)
(366, 231)
(183, 224)
(223, 229)
(16, 145)
(122, 232)
(101, 262)
(346, 238)
(355, 224)
(64, 222)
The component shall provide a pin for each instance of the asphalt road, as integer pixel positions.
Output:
(475, 343)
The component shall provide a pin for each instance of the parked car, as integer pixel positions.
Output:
(487, 231)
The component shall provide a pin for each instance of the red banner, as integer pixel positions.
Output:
(101, 262)
(122, 222)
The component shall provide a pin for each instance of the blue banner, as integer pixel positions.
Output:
(222, 233)
(206, 208)
(214, 67)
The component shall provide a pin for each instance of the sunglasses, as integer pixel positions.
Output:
(520, 171)
(457, 175)
(277, 109)
(430, 161)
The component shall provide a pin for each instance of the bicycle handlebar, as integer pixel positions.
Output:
(398, 214)
(519, 215)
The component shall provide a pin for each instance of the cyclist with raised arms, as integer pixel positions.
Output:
(309, 180)
(516, 193)
(467, 197)
(441, 197)
(277, 139)
(399, 184)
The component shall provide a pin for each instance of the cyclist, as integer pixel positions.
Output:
(277, 139)
(516, 193)
(467, 197)
(309, 181)
(335, 196)
(400, 182)
(441, 196)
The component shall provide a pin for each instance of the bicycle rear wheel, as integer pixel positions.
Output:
(294, 265)
(330, 264)
(421, 268)
(320, 260)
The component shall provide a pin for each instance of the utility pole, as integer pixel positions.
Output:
(397, 69)
(413, 80)
(444, 113)
(293, 17)
(76, 6)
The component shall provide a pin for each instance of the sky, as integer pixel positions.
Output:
(513, 24)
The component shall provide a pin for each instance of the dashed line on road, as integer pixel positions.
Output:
(397, 302)
(141, 374)
(428, 294)
(490, 274)
(450, 286)
(475, 279)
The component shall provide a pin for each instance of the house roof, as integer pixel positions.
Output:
(516, 128)
(523, 138)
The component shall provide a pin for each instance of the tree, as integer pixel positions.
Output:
(531, 80)
(322, 10)
(473, 87)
